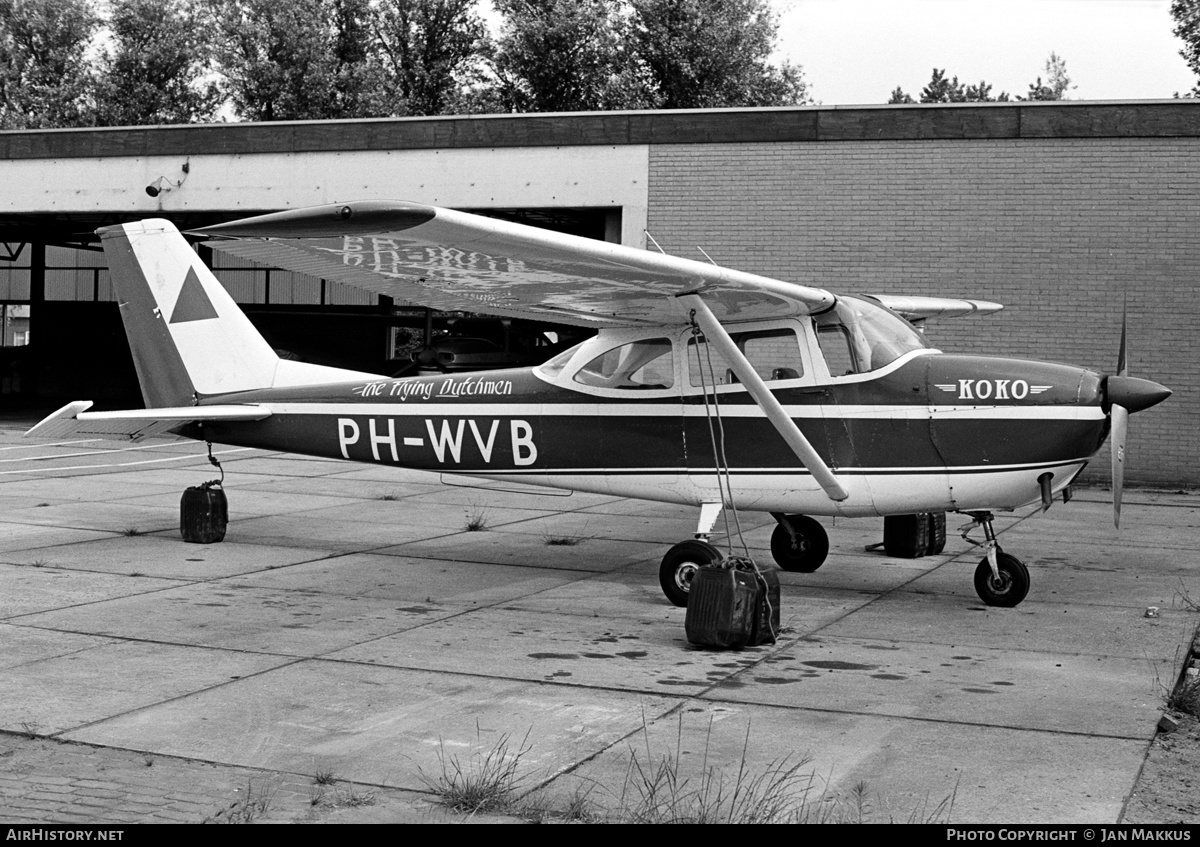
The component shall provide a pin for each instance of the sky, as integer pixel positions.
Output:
(858, 51)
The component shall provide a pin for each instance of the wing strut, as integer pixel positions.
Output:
(762, 395)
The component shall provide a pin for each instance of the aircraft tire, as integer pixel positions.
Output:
(1012, 586)
(679, 567)
(809, 550)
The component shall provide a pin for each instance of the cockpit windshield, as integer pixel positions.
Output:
(857, 336)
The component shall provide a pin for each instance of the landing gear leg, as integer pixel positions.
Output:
(1001, 579)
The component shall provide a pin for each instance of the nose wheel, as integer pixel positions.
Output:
(1001, 579)
(1007, 586)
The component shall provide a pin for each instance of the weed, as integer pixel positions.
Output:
(39, 563)
(476, 521)
(132, 531)
(324, 776)
(389, 497)
(136, 573)
(1186, 696)
(245, 809)
(148, 761)
(562, 541)
(1184, 597)
(340, 797)
(41, 505)
(31, 729)
(661, 792)
(487, 782)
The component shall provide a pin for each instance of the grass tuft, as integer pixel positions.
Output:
(132, 531)
(324, 776)
(1186, 696)
(662, 792)
(389, 496)
(248, 808)
(488, 782)
(476, 521)
(563, 541)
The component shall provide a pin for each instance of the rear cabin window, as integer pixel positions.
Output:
(646, 365)
(773, 353)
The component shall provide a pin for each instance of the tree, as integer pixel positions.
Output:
(564, 55)
(45, 80)
(153, 72)
(429, 49)
(942, 90)
(1186, 14)
(713, 53)
(296, 59)
(1057, 82)
(900, 97)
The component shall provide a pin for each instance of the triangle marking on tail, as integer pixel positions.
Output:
(192, 304)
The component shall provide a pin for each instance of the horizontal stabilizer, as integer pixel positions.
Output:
(74, 419)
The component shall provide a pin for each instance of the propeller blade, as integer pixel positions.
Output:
(1122, 353)
(1120, 427)
(1120, 430)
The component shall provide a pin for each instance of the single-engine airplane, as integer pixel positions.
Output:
(704, 386)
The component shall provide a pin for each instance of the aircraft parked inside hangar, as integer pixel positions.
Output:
(704, 386)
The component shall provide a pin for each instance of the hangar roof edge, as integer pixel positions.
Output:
(964, 121)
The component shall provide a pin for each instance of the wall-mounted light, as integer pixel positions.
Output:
(164, 184)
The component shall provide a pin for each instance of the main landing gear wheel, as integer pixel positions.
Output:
(1012, 586)
(679, 567)
(802, 550)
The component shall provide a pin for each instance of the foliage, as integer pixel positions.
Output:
(430, 49)
(296, 59)
(45, 80)
(713, 53)
(1057, 81)
(942, 90)
(153, 72)
(1186, 14)
(563, 55)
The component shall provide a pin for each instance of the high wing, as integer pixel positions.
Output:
(455, 261)
(74, 419)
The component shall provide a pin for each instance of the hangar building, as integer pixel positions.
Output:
(1065, 212)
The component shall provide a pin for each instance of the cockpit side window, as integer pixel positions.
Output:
(857, 336)
(774, 354)
(645, 364)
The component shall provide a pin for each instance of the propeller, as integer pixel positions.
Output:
(1125, 395)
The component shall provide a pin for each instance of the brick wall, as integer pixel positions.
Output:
(1060, 230)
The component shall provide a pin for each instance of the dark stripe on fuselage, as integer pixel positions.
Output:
(541, 427)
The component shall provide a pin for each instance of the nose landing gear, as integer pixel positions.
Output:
(1001, 579)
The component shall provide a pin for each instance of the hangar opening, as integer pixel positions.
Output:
(81, 344)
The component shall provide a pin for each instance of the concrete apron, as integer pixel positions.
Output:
(351, 624)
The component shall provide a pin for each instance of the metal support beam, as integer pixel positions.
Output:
(719, 338)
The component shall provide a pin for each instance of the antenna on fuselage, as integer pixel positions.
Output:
(705, 255)
(655, 243)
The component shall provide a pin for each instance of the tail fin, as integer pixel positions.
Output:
(188, 337)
